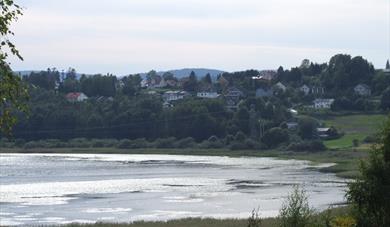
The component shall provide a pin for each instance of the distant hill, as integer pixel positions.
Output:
(200, 72)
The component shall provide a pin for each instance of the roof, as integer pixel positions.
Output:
(323, 100)
(74, 95)
(365, 86)
(322, 129)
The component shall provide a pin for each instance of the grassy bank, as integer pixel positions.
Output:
(346, 161)
(210, 222)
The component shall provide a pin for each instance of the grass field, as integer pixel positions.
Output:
(355, 127)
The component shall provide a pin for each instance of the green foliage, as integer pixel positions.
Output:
(370, 193)
(295, 211)
(307, 127)
(307, 145)
(13, 94)
(385, 100)
(254, 220)
(275, 136)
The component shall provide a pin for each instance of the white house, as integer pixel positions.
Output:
(76, 97)
(305, 89)
(322, 103)
(362, 89)
(174, 95)
(209, 95)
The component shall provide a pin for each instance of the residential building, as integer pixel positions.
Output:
(322, 103)
(323, 133)
(362, 89)
(305, 89)
(206, 94)
(169, 96)
(76, 97)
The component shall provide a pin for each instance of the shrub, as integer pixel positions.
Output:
(165, 142)
(370, 139)
(19, 142)
(237, 146)
(140, 143)
(97, 143)
(313, 146)
(32, 144)
(295, 211)
(240, 136)
(254, 220)
(124, 144)
(275, 136)
(206, 144)
(344, 222)
(229, 139)
(213, 139)
(252, 144)
(188, 142)
(79, 142)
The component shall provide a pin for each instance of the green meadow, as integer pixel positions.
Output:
(354, 127)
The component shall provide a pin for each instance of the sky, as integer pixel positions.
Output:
(132, 36)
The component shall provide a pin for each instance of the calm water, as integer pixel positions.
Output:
(64, 188)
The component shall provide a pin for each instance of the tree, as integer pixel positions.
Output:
(191, 84)
(370, 193)
(307, 127)
(12, 91)
(385, 100)
(275, 136)
(207, 79)
(387, 65)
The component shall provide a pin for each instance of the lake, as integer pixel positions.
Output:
(65, 188)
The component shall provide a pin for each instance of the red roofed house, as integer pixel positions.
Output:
(76, 97)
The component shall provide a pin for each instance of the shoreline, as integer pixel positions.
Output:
(345, 161)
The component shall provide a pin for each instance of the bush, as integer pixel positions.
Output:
(165, 142)
(206, 144)
(140, 143)
(97, 143)
(254, 220)
(237, 146)
(275, 136)
(124, 144)
(213, 139)
(252, 144)
(188, 142)
(229, 139)
(79, 142)
(33, 144)
(370, 139)
(19, 142)
(240, 136)
(313, 146)
(295, 211)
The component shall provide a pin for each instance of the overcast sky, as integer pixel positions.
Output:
(130, 36)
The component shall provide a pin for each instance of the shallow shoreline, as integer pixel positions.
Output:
(346, 161)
